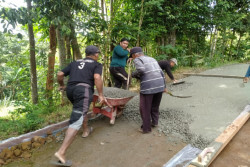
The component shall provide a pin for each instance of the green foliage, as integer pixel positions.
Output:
(22, 122)
(36, 117)
(197, 33)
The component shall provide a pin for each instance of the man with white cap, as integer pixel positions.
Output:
(166, 66)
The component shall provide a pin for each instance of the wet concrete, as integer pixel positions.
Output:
(215, 102)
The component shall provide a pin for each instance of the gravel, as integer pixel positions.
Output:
(171, 122)
(111, 92)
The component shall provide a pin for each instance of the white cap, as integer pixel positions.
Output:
(174, 60)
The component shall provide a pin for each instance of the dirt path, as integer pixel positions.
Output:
(120, 145)
(237, 152)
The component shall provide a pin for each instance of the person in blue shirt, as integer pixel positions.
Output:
(118, 63)
(247, 75)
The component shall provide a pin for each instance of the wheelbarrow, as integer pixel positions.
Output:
(112, 108)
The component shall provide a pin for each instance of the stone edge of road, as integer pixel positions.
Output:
(50, 129)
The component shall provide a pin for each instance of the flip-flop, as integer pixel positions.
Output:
(59, 163)
(89, 132)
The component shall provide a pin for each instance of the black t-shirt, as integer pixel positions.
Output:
(82, 71)
(165, 65)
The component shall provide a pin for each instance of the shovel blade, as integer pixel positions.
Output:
(179, 82)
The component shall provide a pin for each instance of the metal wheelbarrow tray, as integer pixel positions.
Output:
(112, 108)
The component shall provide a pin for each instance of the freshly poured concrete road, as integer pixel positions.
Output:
(215, 102)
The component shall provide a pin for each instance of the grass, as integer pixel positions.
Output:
(13, 124)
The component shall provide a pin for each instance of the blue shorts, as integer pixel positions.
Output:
(80, 96)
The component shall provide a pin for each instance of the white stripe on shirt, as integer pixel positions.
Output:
(153, 70)
(153, 88)
(152, 79)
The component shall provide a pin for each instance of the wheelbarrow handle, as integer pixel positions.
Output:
(105, 102)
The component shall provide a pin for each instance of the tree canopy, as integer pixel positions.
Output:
(196, 32)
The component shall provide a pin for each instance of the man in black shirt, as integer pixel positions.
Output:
(166, 66)
(83, 75)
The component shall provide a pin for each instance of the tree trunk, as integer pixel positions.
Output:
(76, 50)
(213, 45)
(33, 75)
(211, 36)
(224, 42)
(68, 50)
(75, 47)
(172, 38)
(231, 45)
(61, 46)
(105, 41)
(159, 44)
(62, 58)
(140, 23)
(51, 63)
(238, 43)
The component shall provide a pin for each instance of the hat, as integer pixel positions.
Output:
(91, 49)
(174, 60)
(135, 50)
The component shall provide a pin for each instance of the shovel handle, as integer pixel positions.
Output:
(128, 75)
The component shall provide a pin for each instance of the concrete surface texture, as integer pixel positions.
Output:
(215, 102)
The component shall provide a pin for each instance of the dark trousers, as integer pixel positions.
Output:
(149, 109)
(80, 96)
(120, 76)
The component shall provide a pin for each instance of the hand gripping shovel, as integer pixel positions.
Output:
(177, 95)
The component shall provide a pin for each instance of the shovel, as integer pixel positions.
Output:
(179, 82)
(177, 95)
(128, 75)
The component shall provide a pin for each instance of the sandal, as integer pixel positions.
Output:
(61, 161)
(90, 130)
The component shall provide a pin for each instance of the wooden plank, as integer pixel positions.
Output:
(214, 75)
(224, 138)
(230, 132)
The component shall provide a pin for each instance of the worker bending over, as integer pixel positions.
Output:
(166, 66)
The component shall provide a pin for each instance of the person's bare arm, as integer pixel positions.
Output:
(60, 77)
(99, 86)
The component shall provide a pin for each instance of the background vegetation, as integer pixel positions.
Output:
(56, 32)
